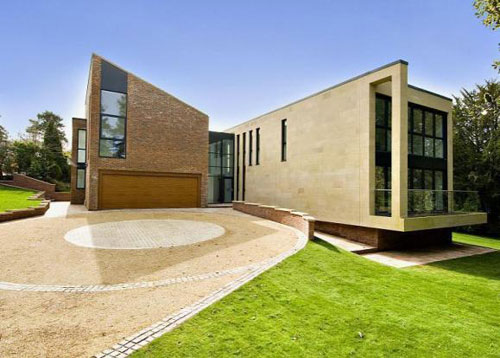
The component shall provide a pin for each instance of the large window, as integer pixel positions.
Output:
(383, 119)
(283, 140)
(427, 129)
(113, 124)
(220, 170)
(257, 146)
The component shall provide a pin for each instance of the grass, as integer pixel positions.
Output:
(14, 198)
(494, 243)
(323, 302)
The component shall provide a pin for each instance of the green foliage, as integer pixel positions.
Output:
(489, 12)
(476, 155)
(36, 130)
(323, 302)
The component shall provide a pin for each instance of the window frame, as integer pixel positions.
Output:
(78, 148)
(124, 140)
(386, 127)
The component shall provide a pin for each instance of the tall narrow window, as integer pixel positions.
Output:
(113, 124)
(283, 140)
(250, 147)
(257, 146)
(81, 158)
(244, 167)
(82, 146)
(238, 167)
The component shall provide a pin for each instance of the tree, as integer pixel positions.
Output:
(4, 150)
(36, 130)
(489, 12)
(55, 161)
(476, 155)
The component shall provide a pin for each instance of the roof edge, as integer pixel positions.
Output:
(142, 79)
(400, 61)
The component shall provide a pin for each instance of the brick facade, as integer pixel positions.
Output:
(289, 217)
(77, 195)
(163, 134)
(387, 239)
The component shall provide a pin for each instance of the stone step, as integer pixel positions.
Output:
(348, 245)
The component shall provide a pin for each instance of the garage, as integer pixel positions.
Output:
(127, 190)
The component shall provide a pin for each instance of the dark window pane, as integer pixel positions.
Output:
(227, 160)
(439, 180)
(439, 125)
(228, 171)
(214, 147)
(388, 140)
(429, 124)
(380, 143)
(417, 145)
(114, 103)
(379, 178)
(112, 148)
(214, 159)
(417, 179)
(428, 179)
(417, 120)
(429, 147)
(380, 112)
(214, 170)
(439, 148)
(112, 127)
(389, 113)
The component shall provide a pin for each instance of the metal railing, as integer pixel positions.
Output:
(424, 202)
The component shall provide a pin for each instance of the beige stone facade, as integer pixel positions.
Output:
(330, 167)
(163, 135)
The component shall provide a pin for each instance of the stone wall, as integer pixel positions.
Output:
(298, 220)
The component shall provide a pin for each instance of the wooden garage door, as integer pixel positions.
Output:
(123, 189)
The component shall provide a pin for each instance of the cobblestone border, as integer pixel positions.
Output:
(138, 340)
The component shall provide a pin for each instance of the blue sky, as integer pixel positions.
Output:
(233, 60)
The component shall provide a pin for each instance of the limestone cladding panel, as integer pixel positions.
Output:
(163, 135)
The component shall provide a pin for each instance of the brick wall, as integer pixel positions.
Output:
(26, 182)
(77, 195)
(163, 134)
(298, 220)
(387, 239)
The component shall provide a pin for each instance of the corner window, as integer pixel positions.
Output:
(113, 124)
(283, 140)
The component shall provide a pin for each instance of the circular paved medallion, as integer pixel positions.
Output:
(143, 234)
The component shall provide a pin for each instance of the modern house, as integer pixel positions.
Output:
(370, 158)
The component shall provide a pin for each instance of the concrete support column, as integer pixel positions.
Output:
(399, 145)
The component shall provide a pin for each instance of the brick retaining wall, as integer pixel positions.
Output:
(298, 220)
(42, 207)
(26, 182)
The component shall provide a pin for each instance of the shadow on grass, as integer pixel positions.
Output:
(325, 244)
(485, 265)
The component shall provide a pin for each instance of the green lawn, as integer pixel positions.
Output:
(14, 198)
(477, 240)
(323, 302)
